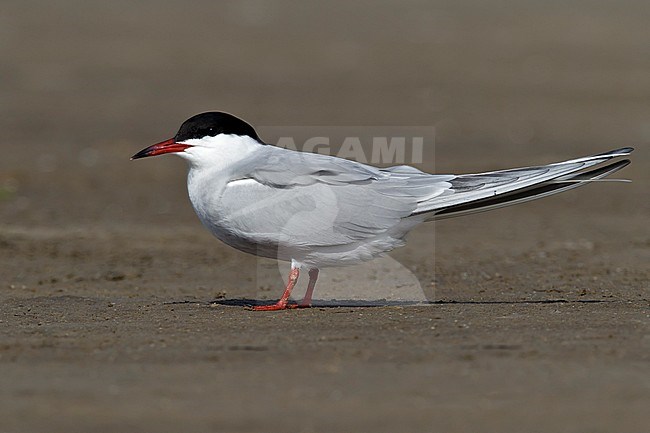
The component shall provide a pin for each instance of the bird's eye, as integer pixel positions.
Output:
(207, 131)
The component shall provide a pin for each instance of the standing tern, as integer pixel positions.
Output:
(317, 210)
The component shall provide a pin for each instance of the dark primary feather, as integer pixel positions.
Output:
(484, 191)
(539, 191)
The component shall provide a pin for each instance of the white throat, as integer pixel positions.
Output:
(218, 153)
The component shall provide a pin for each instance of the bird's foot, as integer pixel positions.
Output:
(279, 306)
(300, 305)
(273, 307)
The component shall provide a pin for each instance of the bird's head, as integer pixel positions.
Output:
(206, 136)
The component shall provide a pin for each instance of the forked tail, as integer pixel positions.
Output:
(473, 193)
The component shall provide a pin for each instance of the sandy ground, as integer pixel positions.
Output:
(119, 312)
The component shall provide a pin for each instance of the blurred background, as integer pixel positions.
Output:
(84, 85)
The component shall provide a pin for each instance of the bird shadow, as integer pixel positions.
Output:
(336, 303)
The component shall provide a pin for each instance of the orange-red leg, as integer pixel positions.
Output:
(306, 301)
(283, 301)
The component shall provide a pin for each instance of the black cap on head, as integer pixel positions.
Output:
(213, 123)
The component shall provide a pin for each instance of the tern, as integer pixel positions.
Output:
(318, 210)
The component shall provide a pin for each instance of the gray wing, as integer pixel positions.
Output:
(307, 200)
(319, 200)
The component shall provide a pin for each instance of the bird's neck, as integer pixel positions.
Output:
(219, 154)
(210, 172)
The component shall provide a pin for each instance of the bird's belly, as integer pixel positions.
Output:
(257, 245)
